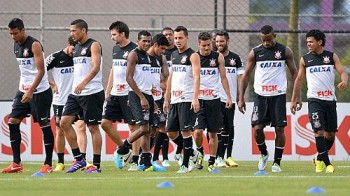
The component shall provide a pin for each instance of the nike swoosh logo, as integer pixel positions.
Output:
(310, 60)
(92, 120)
(61, 61)
(15, 168)
(261, 55)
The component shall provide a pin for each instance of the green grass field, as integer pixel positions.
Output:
(295, 179)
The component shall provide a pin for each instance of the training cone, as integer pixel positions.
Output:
(260, 173)
(37, 174)
(316, 189)
(165, 185)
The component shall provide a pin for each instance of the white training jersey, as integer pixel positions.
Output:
(156, 71)
(62, 68)
(182, 78)
(82, 67)
(320, 75)
(120, 56)
(142, 75)
(234, 68)
(28, 68)
(209, 83)
(270, 70)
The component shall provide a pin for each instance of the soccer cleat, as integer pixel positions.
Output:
(157, 167)
(219, 162)
(318, 166)
(166, 163)
(179, 158)
(133, 167)
(200, 161)
(87, 166)
(330, 169)
(13, 168)
(59, 167)
(92, 169)
(121, 160)
(230, 162)
(276, 168)
(183, 169)
(212, 169)
(263, 162)
(76, 166)
(46, 169)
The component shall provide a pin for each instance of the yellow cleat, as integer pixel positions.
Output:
(88, 165)
(59, 167)
(330, 169)
(319, 166)
(231, 163)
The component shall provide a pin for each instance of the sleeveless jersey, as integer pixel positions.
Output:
(182, 78)
(234, 67)
(82, 67)
(120, 55)
(320, 75)
(63, 73)
(270, 72)
(209, 83)
(156, 71)
(142, 74)
(27, 66)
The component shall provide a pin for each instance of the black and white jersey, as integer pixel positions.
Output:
(142, 75)
(209, 83)
(120, 56)
(167, 54)
(62, 68)
(320, 75)
(270, 70)
(156, 71)
(27, 66)
(82, 67)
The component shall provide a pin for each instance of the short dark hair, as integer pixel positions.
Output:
(181, 28)
(267, 29)
(203, 36)
(318, 35)
(16, 23)
(121, 27)
(160, 39)
(71, 41)
(223, 33)
(80, 23)
(143, 33)
(167, 29)
(214, 31)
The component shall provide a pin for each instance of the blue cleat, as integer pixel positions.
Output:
(121, 160)
(76, 166)
(158, 167)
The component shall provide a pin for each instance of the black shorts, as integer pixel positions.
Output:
(141, 116)
(180, 117)
(269, 111)
(228, 116)
(209, 115)
(159, 117)
(57, 110)
(90, 105)
(117, 109)
(323, 115)
(39, 107)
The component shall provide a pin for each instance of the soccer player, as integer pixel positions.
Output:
(212, 68)
(87, 95)
(61, 64)
(318, 66)
(234, 71)
(168, 32)
(33, 97)
(117, 107)
(270, 85)
(213, 34)
(139, 78)
(159, 70)
(181, 97)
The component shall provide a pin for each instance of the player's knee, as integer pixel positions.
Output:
(105, 126)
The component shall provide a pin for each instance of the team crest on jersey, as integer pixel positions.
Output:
(212, 62)
(184, 59)
(25, 52)
(278, 54)
(125, 55)
(83, 51)
(232, 62)
(326, 59)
